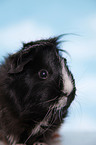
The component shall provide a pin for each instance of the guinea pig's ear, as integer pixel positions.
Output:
(18, 61)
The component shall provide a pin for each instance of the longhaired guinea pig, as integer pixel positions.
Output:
(36, 89)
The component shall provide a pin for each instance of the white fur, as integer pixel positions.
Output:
(11, 140)
(38, 127)
(61, 103)
(67, 79)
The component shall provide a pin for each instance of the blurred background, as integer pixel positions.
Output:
(27, 20)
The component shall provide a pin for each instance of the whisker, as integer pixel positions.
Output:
(49, 100)
(28, 138)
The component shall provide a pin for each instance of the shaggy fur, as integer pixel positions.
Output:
(33, 102)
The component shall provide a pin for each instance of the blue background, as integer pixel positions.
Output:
(23, 21)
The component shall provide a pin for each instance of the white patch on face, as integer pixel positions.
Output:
(67, 79)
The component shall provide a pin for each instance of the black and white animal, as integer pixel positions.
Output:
(36, 89)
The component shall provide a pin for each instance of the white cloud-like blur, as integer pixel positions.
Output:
(11, 38)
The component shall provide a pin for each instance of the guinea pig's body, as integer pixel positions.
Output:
(36, 89)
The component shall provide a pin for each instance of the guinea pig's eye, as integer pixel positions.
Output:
(43, 74)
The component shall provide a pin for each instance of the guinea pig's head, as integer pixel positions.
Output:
(40, 80)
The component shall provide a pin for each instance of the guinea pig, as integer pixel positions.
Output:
(36, 90)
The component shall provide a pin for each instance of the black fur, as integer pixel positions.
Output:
(25, 97)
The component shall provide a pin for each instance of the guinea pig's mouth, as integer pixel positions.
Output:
(61, 103)
(64, 100)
